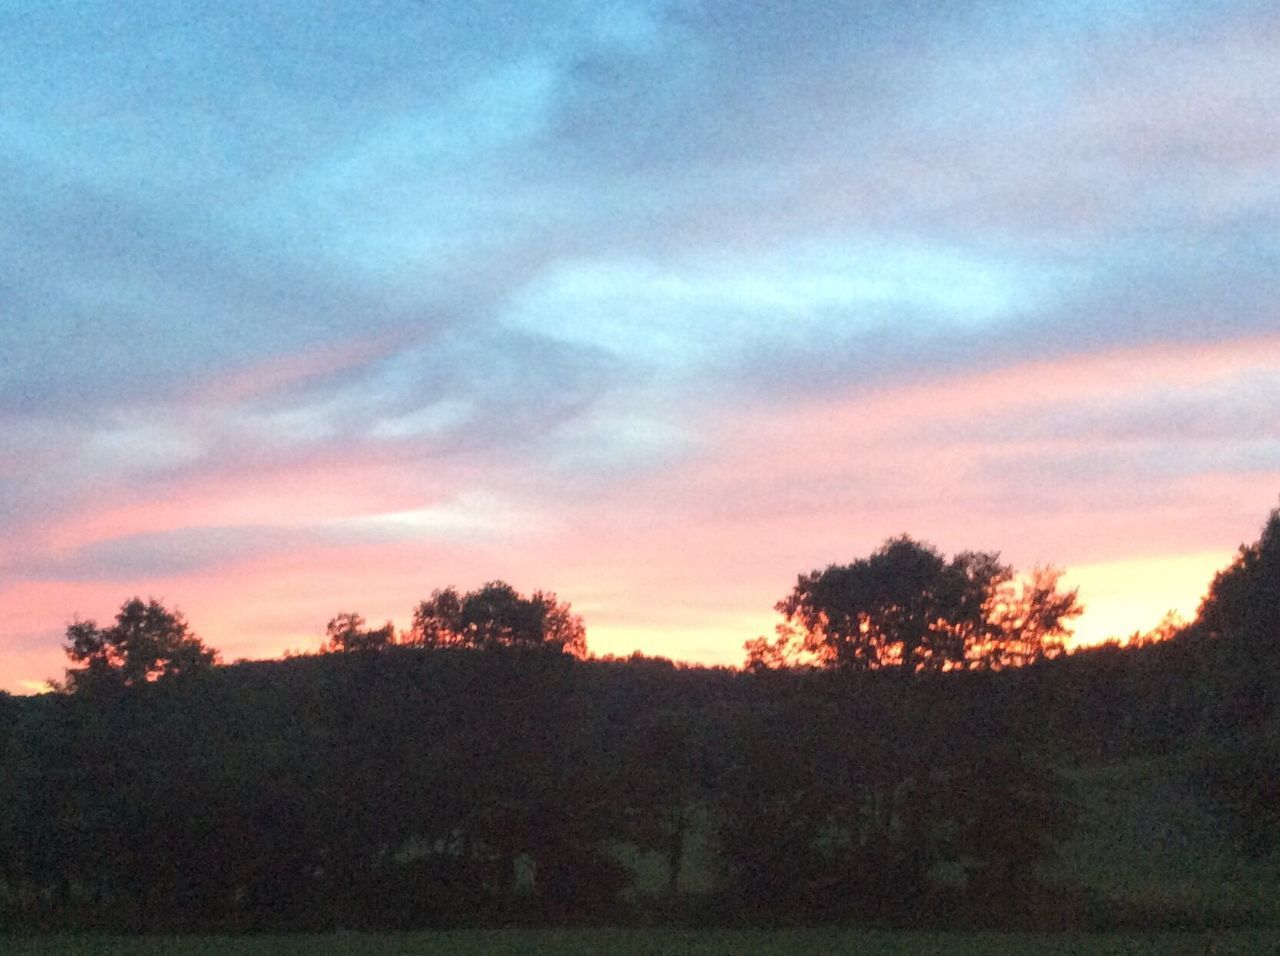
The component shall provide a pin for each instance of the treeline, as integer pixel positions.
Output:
(483, 779)
(413, 787)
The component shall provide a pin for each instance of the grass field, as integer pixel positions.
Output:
(657, 943)
(625, 942)
(1146, 839)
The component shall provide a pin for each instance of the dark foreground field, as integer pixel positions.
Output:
(657, 943)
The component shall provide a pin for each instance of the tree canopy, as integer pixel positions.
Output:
(496, 615)
(147, 642)
(347, 633)
(907, 606)
(1245, 597)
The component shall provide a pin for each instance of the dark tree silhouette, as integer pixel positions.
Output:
(347, 633)
(497, 615)
(1236, 643)
(663, 788)
(147, 642)
(433, 785)
(908, 607)
(437, 621)
(1245, 597)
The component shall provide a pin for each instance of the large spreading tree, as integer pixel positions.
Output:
(497, 615)
(147, 642)
(906, 606)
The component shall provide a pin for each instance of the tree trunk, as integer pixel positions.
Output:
(675, 855)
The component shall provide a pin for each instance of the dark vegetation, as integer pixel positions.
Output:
(660, 941)
(480, 770)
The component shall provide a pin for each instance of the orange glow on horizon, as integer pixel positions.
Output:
(683, 560)
(244, 620)
(1124, 597)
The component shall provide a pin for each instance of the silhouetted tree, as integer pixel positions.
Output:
(496, 615)
(437, 621)
(1236, 640)
(908, 607)
(1245, 597)
(560, 626)
(147, 642)
(347, 633)
(663, 784)
(1027, 623)
(772, 813)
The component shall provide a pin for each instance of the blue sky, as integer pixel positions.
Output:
(345, 304)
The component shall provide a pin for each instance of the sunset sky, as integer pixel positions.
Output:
(656, 305)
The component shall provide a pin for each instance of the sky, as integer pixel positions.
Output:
(655, 305)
